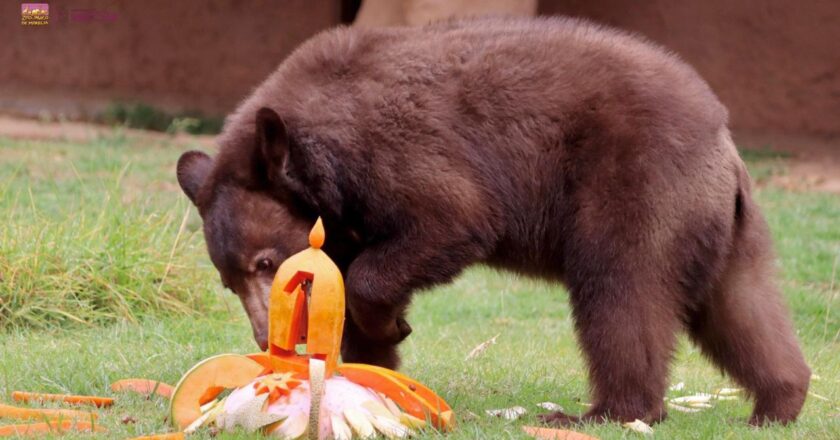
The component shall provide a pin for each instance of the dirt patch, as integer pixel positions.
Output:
(19, 128)
(811, 162)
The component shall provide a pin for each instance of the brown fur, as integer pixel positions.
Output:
(552, 147)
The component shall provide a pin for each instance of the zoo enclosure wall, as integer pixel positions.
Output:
(774, 63)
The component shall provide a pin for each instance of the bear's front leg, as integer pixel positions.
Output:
(357, 347)
(627, 322)
(382, 278)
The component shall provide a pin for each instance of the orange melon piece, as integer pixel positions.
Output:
(298, 364)
(143, 386)
(544, 433)
(212, 374)
(24, 396)
(13, 412)
(171, 436)
(413, 397)
(42, 429)
(262, 358)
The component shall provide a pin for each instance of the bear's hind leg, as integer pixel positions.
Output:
(744, 328)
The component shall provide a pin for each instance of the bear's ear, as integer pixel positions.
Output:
(272, 142)
(308, 173)
(193, 169)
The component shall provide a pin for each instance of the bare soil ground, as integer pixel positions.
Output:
(21, 128)
(811, 162)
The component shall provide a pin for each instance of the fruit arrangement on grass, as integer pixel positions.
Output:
(293, 395)
(295, 389)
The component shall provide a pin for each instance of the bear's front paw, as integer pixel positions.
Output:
(380, 323)
(391, 332)
(558, 419)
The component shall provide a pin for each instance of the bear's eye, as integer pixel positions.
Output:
(264, 264)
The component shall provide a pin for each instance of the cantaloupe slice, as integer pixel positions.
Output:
(413, 397)
(143, 386)
(317, 372)
(210, 395)
(544, 433)
(222, 371)
(170, 436)
(294, 364)
(261, 358)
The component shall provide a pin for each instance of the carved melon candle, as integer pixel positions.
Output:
(294, 395)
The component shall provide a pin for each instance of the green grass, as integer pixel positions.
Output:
(102, 277)
(147, 117)
(94, 233)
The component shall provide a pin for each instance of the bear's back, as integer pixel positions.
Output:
(491, 69)
(489, 97)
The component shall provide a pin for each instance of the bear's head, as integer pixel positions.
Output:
(254, 215)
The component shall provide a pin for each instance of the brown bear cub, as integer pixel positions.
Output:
(551, 147)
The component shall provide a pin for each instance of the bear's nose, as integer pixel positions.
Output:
(262, 340)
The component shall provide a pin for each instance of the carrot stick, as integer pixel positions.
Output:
(171, 436)
(23, 396)
(13, 412)
(143, 386)
(38, 429)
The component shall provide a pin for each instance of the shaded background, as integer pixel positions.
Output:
(774, 63)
